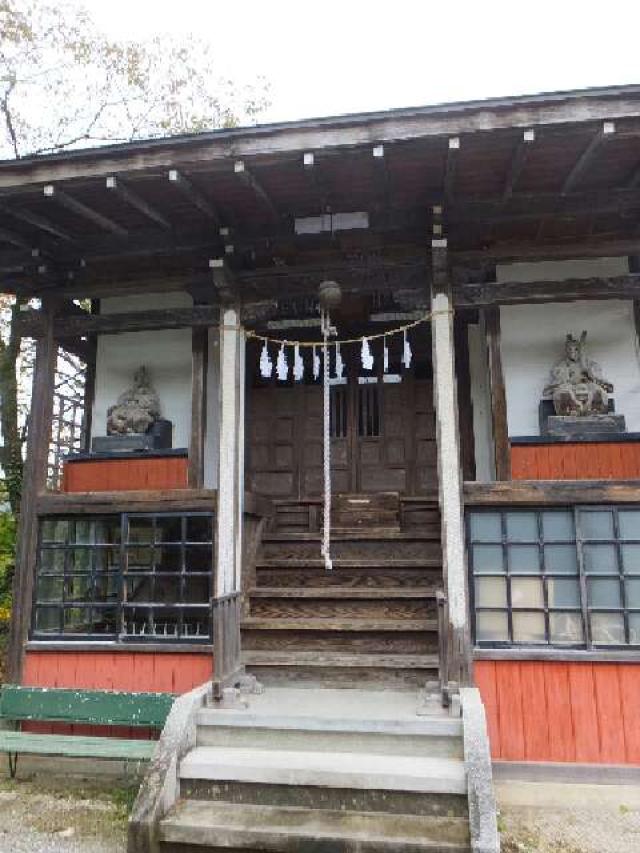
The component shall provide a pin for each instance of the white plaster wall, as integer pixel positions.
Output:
(558, 270)
(481, 402)
(533, 340)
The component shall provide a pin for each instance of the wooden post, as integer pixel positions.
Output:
(199, 358)
(502, 448)
(34, 483)
(458, 658)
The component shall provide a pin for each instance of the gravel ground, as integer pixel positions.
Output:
(69, 815)
(596, 830)
(62, 817)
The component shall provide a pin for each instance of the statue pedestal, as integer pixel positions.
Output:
(159, 437)
(576, 427)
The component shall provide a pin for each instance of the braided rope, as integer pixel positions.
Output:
(326, 444)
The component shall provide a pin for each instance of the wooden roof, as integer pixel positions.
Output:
(541, 176)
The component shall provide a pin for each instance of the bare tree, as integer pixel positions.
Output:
(65, 84)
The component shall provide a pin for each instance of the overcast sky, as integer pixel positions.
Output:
(329, 57)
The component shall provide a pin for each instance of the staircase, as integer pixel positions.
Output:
(371, 622)
(344, 770)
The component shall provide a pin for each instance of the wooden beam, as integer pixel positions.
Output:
(181, 182)
(90, 386)
(7, 236)
(585, 160)
(453, 150)
(80, 209)
(34, 482)
(456, 661)
(249, 179)
(502, 450)
(32, 323)
(552, 492)
(199, 362)
(567, 290)
(518, 161)
(38, 221)
(118, 187)
(531, 251)
(342, 132)
(96, 503)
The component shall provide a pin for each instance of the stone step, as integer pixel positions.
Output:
(303, 740)
(196, 824)
(424, 775)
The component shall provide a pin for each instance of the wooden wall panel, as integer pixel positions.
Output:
(576, 461)
(106, 475)
(562, 711)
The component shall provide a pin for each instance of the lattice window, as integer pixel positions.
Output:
(127, 576)
(561, 577)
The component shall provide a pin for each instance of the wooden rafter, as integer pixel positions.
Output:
(249, 179)
(7, 236)
(584, 161)
(181, 182)
(38, 221)
(453, 152)
(118, 187)
(80, 209)
(518, 162)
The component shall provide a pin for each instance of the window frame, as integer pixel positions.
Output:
(583, 576)
(121, 548)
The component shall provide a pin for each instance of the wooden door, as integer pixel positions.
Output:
(382, 432)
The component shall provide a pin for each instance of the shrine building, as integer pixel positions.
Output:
(361, 412)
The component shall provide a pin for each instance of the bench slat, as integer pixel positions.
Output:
(98, 707)
(76, 746)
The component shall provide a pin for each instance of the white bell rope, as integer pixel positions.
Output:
(316, 364)
(326, 442)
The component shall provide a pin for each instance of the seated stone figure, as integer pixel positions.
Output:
(577, 386)
(137, 408)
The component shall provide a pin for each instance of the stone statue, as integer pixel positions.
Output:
(137, 408)
(576, 385)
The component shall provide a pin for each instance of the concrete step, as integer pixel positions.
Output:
(303, 740)
(425, 775)
(229, 826)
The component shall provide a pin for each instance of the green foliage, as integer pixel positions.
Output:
(7, 563)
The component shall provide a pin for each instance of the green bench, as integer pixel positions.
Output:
(87, 707)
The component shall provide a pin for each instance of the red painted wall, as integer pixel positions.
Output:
(115, 475)
(561, 711)
(579, 461)
(135, 672)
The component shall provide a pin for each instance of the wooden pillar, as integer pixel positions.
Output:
(34, 483)
(199, 359)
(231, 461)
(457, 644)
(501, 446)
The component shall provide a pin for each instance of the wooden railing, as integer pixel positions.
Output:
(443, 646)
(225, 619)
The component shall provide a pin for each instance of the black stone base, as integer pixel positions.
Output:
(575, 427)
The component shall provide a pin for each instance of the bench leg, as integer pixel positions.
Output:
(13, 764)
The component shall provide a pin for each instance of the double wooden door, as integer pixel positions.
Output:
(382, 433)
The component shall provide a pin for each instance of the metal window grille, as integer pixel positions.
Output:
(131, 576)
(567, 577)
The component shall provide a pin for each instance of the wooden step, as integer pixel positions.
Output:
(349, 578)
(342, 592)
(339, 659)
(355, 536)
(345, 563)
(406, 625)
